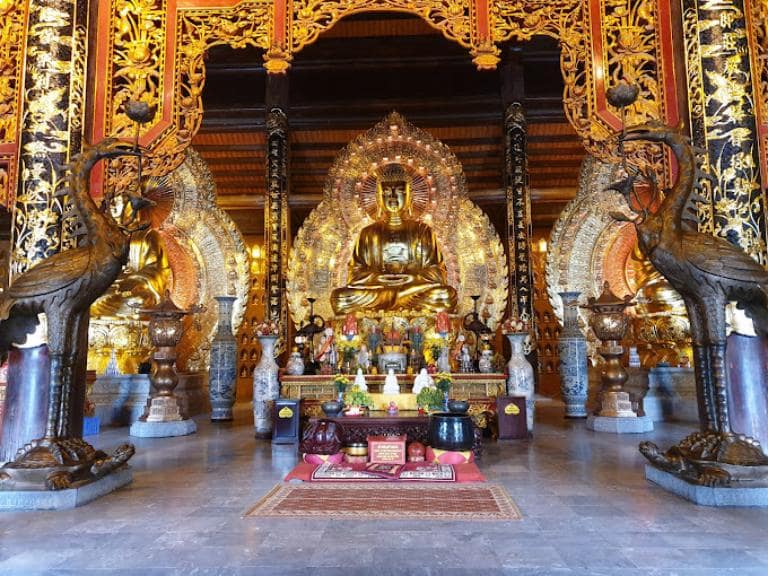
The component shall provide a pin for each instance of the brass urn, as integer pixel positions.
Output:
(609, 322)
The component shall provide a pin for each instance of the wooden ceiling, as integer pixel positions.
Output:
(356, 73)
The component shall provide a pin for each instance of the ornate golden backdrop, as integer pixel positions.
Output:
(588, 247)
(473, 253)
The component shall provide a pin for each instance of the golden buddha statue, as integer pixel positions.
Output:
(143, 281)
(661, 319)
(396, 264)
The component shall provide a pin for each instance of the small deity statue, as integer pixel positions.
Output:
(390, 383)
(327, 353)
(374, 338)
(422, 380)
(360, 380)
(485, 364)
(442, 323)
(392, 409)
(363, 360)
(350, 326)
(465, 360)
(443, 362)
(396, 263)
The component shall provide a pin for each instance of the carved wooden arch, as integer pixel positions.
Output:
(156, 48)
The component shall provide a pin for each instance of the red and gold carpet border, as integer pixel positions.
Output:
(389, 501)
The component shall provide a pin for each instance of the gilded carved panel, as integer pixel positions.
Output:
(602, 41)
(13, 15)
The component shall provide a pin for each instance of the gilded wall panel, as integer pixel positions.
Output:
(758, 36)
(13, 15)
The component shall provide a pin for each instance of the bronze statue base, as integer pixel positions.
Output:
(57, 464)
(713, 458)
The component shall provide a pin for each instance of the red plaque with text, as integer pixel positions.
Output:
(386, 449)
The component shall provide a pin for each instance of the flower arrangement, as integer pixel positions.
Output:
(514, 326)
(340, 383)
(266, 328)
(356, 397)
(442, 382)
(348, 349)
(430, 398)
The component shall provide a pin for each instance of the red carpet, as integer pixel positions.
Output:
(397, 501)
(461, 473)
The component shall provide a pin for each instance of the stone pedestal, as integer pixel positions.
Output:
(120, 400)
(618, 425)
(616, 404)
(65, 499)
(164, 416)
(671, 395)
(706, 495)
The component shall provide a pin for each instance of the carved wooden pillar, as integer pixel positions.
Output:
(518, 197)
(53, 108)
(722, 105)
(52, 126)
(276, 222)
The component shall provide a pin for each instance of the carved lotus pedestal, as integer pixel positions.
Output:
(164, 415)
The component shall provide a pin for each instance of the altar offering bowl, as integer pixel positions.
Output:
(357, 449)
(458, 406)
(449, 431)
(332, 407)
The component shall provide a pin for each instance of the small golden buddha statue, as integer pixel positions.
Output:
(396, 264)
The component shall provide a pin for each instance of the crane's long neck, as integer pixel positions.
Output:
(674, 203)
(96, 223)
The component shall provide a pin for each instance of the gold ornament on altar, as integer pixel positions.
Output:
(432, 200)
(396, 264)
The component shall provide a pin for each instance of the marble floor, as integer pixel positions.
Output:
(587, 511)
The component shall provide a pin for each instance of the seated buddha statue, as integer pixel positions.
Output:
(144, 279)
(396, 264)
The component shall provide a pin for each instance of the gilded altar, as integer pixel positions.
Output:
(481, 390)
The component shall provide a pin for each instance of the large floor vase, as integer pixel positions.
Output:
(222, 376)
(520, 380)
(266, 387)
(572, 349)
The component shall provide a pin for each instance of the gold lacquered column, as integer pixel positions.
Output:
(722, 107)
(52, 126)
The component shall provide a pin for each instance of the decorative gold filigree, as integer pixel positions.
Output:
(311, 17)
(12, 20)
(473, 254)
(630, 53)
(722, 62)
(140, 70)
(758, 45)
(48, 137)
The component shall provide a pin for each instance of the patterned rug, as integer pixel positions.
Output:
(328, 472)
(389, 501)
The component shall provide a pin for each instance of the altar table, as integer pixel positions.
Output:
(380, 423)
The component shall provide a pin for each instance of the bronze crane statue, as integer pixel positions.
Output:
(708, 272)
(63, 287)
